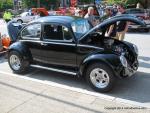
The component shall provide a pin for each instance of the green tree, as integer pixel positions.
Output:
(43, 3)
(6, 4)
(125, 1)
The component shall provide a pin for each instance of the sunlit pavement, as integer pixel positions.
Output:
(3, 27)
(41, 91)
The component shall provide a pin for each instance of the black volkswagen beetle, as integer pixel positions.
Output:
(71, 45)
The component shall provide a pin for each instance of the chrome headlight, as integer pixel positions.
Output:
(123, 61)
(136, 49)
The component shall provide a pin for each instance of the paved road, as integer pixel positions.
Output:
(133, 91)
(23, 95)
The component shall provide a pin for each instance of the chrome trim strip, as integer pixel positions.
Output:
(89, 46)
(23, 40)
(53, 69)
(42, 42)
(59, 43)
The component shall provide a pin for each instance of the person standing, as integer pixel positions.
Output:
(138, 5)
(111, 32)
(122, 26)
(76, 11)
(7, 16)
(90, 16)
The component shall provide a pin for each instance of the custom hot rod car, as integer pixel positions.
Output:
(71, 45)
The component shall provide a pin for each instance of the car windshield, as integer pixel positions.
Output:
(80, 27)
(24, 14)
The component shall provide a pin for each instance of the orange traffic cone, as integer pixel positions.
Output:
(5, 41)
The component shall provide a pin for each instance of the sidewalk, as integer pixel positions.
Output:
(23, 96)
(2, 22)
(3, 27)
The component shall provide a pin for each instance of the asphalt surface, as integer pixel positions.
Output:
(134, 91)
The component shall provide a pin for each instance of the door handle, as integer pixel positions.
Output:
(44, 44)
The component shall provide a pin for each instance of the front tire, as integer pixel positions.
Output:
(19, 21)
(17, 63)
(100, 77)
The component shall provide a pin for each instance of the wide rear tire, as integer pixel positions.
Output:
(17, 63)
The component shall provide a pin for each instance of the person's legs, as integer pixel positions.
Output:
(117, 36)
(120, 35)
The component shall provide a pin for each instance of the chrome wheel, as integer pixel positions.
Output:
(15, 62)
(99, 78)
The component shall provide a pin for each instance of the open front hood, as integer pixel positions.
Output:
(112, 20)
(13, 30)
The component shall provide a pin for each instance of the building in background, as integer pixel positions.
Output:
(67, 3)
(18, 5)
(54, 4)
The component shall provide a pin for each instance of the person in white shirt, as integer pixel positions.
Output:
(90, 16)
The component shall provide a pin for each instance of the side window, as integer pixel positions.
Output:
(32, 32)
(66, 34)
(27, 14)
(56, 32)
(53, 32)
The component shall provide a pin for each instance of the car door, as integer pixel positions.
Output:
(28, 18)
(30, 36)
(25, 18)
(58, 46)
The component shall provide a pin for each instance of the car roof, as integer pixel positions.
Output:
(56, 19)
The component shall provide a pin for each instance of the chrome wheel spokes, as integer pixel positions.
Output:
(99, 78)
(15, 62)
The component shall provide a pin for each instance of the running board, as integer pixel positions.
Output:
(54, 69)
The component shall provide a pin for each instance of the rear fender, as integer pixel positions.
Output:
(22, 49)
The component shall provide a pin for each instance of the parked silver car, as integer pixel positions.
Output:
(143, 14)
(25, 17)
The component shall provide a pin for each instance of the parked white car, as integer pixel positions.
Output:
(25, 17)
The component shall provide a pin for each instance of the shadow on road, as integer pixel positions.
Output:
(144, 58)
(135, 88)
(144, 62)
(2, 58)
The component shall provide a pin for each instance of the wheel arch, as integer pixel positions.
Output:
(95, 59)
(21, 49)
(20, 20)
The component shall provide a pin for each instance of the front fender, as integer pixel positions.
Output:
(22, 49)
(111, 60)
